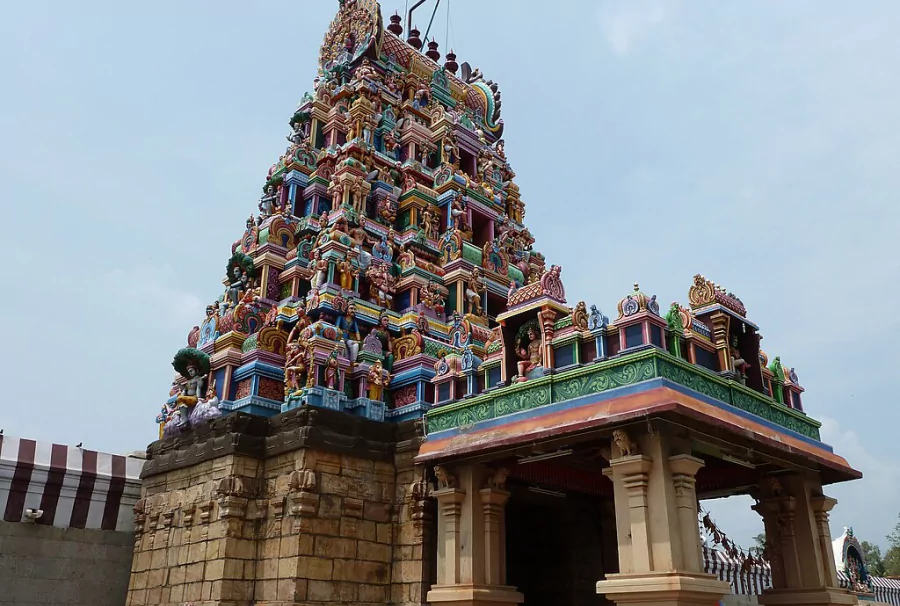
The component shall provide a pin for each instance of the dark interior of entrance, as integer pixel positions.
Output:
(559, 545)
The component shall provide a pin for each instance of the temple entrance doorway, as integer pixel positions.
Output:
(558, 545)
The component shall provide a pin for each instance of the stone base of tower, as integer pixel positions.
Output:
(807, 597)
(664, 589)
(284, 511)
(474, 595)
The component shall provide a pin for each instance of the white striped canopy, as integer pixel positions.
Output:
(74, 488)
(759, 578)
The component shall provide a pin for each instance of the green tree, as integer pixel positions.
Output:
(872, 557)
(892, 555)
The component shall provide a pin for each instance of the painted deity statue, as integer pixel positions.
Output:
(298, 133)
(296, 366)
(267, 201)
(377, 381)
(383, 334)
(345, 267)
(429, 222)
(320, 266)
(530, 354)
(458, 213)
(190, 391)
(349, 328)
(431, 297)
(473, 289)
(240, 283)
(331, 371)
(738, 364)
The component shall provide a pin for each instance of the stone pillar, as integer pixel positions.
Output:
(720, 328)
(450, 502)
(471, 539)
(684, 470)
(493, 502)
(630, 476)
(657, 529)
(795, 514)
(821, 507)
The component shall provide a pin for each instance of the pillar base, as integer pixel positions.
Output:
(807, 597)
(664, 589)
(474, 595)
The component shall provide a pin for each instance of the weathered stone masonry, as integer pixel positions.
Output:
(309, 507)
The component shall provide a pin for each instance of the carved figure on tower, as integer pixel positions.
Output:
(458, 212)
(345, 267)
(332, 371)
(377, 379)
(349, 328)
(320, 267)
(474, 287)
(528, 349)
(267, 201)
(296, 367)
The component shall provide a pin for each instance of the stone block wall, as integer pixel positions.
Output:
(47, 565)
(310, 507)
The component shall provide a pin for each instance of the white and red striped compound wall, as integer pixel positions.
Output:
(75, 488)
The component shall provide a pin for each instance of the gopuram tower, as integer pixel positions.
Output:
(392, 401)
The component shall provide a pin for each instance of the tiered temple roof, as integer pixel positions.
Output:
(389, 274)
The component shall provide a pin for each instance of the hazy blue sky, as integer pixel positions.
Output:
(755, 142)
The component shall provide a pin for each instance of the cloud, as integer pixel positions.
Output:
(623, 22)
(152, 289)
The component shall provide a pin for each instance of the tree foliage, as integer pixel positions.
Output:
(892, 555)
(873, 559)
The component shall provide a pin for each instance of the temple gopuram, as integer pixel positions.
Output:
(395, 401)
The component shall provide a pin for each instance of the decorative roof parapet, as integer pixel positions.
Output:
(622, 371)
(637, 302)
(550, 285)
(705, 292)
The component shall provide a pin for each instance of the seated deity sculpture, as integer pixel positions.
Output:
(190, 391)
(529, 354)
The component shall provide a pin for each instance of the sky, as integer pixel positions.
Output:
(753, 142)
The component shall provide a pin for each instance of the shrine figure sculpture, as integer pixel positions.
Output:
(383, 334)
(429, 222)
(331, 371)
(529, 353)
(738, 364)
(320, 266)
(377, 381)
(345, 267)
(240, 282)
(474, 286)
(298, 134)
(193, 365)
(458, 213)
(268, 201)
(580, 316)
(297, 367)
(349, 328)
